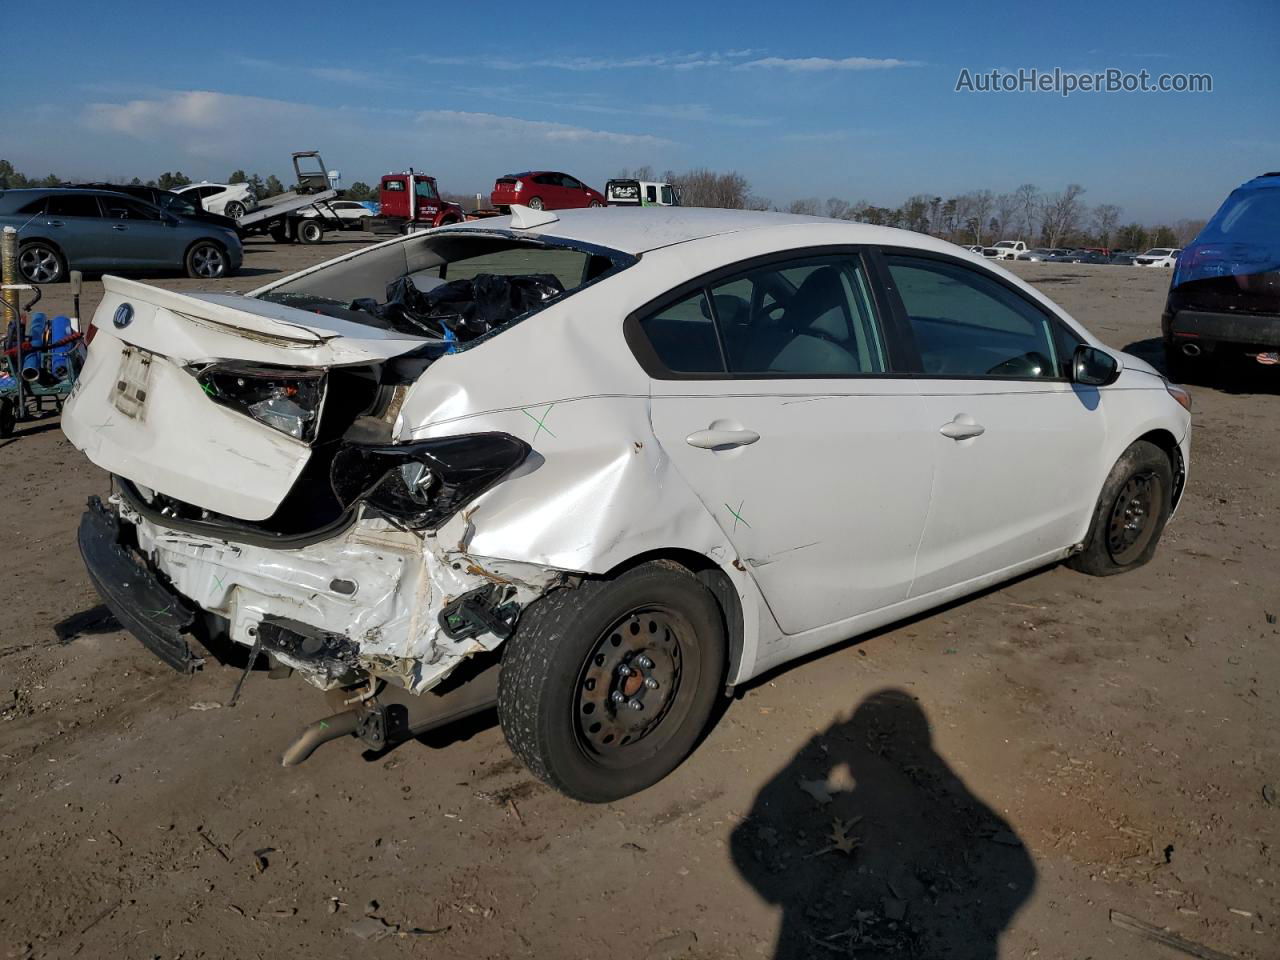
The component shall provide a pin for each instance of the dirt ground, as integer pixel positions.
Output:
(994, 779)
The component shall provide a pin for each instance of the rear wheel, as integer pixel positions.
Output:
(310, 231)
(41, 262)
(234, 210)
(535, 203)
(280, 234)
(595, 203)
(1130, 514)
(206, 260)
(606, 688)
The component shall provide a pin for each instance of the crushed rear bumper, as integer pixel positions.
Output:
(153, 612)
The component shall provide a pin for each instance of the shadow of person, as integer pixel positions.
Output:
(873, 847)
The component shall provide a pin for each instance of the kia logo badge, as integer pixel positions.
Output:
(123, 317)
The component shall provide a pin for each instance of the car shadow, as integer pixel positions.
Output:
(95, 620)
(1230, 373)
(872, 846)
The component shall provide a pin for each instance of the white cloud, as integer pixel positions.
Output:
(655, 61)
(817, 64)
(515, 127)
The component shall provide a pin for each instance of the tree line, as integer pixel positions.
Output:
(1038, 217)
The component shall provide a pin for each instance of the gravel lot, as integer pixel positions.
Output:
(992, 779)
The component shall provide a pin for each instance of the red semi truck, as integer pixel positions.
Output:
(412, 200)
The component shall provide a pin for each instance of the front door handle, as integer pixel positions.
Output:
(721, 439)
(53, 223)
(962, 428)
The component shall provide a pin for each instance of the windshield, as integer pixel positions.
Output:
(454, 286)
(1157, 252)
(1007, 243)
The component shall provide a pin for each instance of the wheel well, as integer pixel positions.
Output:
(715, 580)
(45, 240)
(195, 243)
(1169, 444)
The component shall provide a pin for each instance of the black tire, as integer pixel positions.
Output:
(207, 260)
(234, 209)
(595, 203)
(565, 663)
(41, 262)
(1132, 510)
(280, 234)
(535, 203)
(8, 417)
(310, 230)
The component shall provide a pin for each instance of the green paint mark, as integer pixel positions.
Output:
(208, 389)
(156, 614)
(542, 423)
(737, 515)
(218, 582)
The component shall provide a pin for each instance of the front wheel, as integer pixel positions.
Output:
(207, 260)
(1130, 514)
(606, 687)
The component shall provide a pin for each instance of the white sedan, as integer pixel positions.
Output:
(232, 200)
(601, 466)
(351, 213)
(1158, 257)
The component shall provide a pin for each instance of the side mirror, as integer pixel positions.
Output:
(1093, 367)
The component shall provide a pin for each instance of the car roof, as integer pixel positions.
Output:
(1267, 181)
(635, 230)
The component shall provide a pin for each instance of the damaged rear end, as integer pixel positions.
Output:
(262, 492)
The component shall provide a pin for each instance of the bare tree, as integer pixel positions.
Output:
(807, 207)
(1105, 218)
(639, 173)
(837, 209)
(1061, 212)
(1027, 205)
(706, 188)
(977, 211)
(1005, 211)
(1187, 230)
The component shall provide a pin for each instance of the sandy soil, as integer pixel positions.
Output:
(990, 780)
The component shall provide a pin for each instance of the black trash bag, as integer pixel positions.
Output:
(462, 309)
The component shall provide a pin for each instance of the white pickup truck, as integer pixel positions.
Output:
(1005, 250)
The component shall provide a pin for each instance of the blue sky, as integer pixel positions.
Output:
(854, 100)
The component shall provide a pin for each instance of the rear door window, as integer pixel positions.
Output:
(813, 318)
(72, 205)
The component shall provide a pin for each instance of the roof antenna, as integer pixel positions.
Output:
(524, 218)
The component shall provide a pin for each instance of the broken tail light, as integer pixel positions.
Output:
(283, 398)
(423, 483)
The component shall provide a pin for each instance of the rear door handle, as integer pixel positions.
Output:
(119, 226)
(962, 428)
(721, 439)
(53, 223)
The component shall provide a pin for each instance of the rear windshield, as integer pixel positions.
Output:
(453, 286)
(1248, 216)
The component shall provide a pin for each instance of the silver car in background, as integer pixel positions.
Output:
(62, 229)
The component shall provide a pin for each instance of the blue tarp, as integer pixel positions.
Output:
(1242, 238)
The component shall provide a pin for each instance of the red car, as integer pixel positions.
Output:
(543, 190)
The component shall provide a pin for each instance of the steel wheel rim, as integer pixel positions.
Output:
(311, 230)
(39, 265)
(629, 683)
(208, 262)
(1131, 522)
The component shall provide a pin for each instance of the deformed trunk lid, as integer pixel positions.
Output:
(138, 411)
